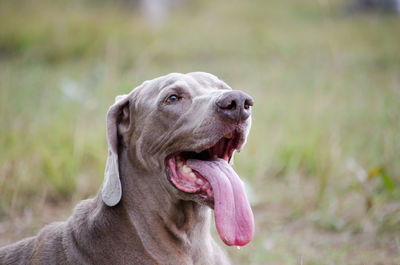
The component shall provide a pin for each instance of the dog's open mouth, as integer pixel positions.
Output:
(209, 175)
(187, 180)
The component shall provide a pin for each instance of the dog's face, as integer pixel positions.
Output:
(184, 129)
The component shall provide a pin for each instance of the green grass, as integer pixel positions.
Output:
(327, 92)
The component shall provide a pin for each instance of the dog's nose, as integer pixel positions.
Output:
(235, 105)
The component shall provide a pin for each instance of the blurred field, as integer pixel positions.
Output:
(323, 159)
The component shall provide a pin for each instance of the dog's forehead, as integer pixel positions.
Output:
(193, 82)
(208, 80)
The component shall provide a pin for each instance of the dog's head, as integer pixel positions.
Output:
(184, 129)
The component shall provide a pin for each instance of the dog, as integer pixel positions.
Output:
(170, 144)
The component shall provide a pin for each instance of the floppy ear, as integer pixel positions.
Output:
(111, 190)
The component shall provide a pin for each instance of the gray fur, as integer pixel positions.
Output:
(138, 217)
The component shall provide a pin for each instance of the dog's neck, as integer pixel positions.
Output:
(168, 228)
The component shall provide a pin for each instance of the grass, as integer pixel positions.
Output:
(322, 159)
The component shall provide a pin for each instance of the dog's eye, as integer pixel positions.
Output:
(173, 98)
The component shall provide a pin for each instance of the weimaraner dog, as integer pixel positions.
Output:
(170, 141)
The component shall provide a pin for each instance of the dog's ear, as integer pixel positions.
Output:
(117, 115)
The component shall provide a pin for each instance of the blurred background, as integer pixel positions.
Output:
(322, 163)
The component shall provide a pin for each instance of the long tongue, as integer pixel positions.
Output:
(233, 216)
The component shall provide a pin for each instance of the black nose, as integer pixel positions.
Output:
(235, 105)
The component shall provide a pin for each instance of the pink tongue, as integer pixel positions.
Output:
(233, 216)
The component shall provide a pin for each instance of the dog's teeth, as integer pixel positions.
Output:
(192, 175)
(199, 181)
(229, 135)
(186, 169)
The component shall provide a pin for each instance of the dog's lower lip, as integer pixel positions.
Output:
(186, 180)
(178, 173)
